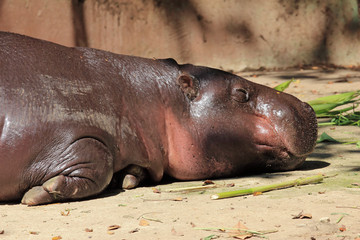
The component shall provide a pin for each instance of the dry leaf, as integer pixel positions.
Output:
(208, 182)
(144, 223)
(66, 213)
(257, 193)
(34, 233)
(314, 91)
(306, 215)
(2, 231)
(342, 228)
(174, 232)
(113, 227)
(242, 237)
(88, 230)
(178, 199)
(239, 233)
(302, 215)
(56, 238)
(135, 230)
(155, 190)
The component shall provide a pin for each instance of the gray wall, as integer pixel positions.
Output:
(231, 34)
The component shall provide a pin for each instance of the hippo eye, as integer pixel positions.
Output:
(240, 95)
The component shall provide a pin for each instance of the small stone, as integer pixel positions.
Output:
(325, 219)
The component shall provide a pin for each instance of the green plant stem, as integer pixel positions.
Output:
(326, 124)
(287, 184)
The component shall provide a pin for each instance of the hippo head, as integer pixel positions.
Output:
(234, 126)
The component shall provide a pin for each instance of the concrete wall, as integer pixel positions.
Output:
(232, 34)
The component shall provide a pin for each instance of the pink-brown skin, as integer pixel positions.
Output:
(72, 118)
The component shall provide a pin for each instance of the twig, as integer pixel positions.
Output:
(296, 182)
(240, 229)
(348, 207)
(150, 219)
(196, 188)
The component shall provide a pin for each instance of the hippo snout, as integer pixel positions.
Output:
(299, 128)
(293, 122)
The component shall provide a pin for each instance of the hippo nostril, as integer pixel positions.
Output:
(307, 106)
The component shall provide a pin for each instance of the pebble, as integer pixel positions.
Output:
(325, 219)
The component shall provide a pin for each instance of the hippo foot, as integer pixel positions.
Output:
(44, 194)
(88, 175)
(130, 181)
(135, 175)
(129, 178)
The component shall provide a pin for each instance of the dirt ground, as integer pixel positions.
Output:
(330, 210)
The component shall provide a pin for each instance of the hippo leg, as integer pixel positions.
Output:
(129, 178)
(88, 172)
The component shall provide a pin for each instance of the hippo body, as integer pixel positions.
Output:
(70, 118)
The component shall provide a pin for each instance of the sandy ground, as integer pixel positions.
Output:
(143, 213)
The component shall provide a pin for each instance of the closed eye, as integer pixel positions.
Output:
(240, 95)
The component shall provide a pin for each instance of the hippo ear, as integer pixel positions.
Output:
(189, 85)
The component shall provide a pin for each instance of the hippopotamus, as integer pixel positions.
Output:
(72, 119)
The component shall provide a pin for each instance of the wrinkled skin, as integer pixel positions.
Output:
(73, 119)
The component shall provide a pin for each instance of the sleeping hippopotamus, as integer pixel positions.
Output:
(72, 118)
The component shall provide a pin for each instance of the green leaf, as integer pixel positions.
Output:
(324, 108)
(335, 99)
(337, 112)
(326, 138)
(211, 237)
(282, 86)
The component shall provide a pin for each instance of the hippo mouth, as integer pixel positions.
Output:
(277, 153)
(279, 158)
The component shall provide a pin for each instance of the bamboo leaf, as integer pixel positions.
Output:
(282, 86)
(324, 108)
(211, 237)
(324, 137)
(340, 111)
(335, 99)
